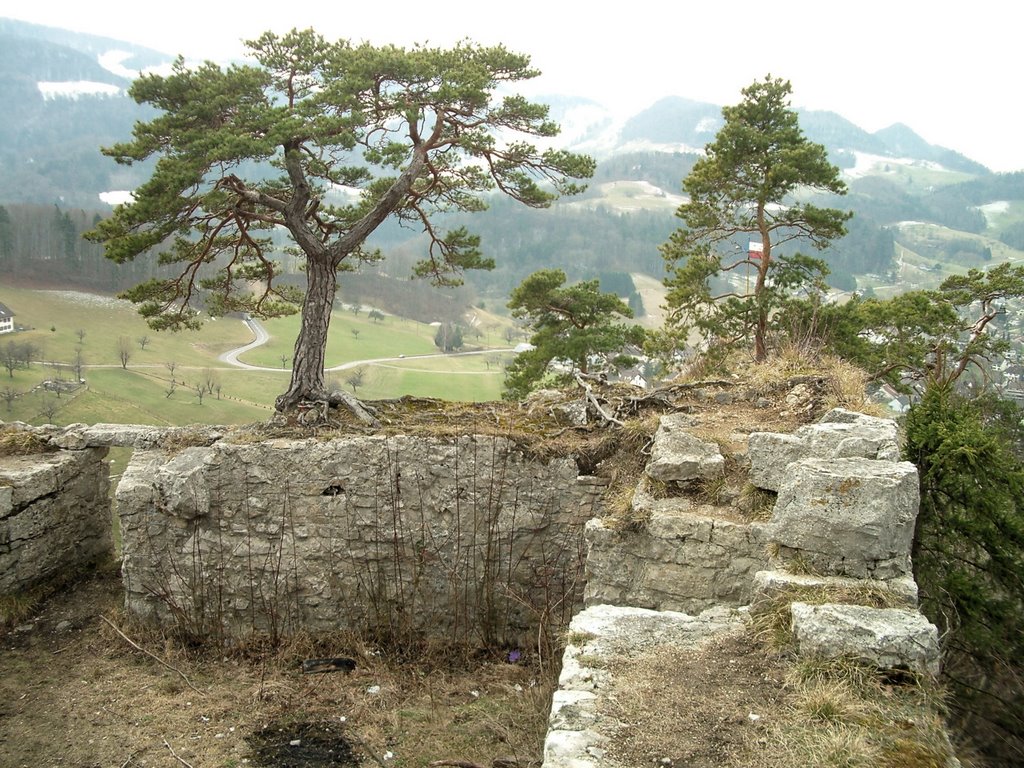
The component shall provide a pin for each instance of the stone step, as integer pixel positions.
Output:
(603, 641)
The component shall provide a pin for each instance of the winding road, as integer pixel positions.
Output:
(261, 337)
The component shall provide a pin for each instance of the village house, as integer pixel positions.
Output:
(6, 319)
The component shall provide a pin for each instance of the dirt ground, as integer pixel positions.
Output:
(73, 692)
(700, 708)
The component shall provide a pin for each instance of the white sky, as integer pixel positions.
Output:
(949, 70)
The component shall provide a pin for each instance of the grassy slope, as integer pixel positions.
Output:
(139, 394)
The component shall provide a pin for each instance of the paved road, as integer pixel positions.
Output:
(262, 337)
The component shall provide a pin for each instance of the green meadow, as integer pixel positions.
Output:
(351, 337)
(165, 372)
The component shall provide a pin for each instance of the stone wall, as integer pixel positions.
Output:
(54, 516)
(687, 572)
(469, 538)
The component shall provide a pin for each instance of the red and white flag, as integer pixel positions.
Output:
(755, 250)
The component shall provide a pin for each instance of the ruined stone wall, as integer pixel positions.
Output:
(845, 506)
(54, 516)
(469, 538)
(688, 573)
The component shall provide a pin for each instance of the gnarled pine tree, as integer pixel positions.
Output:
(247, 149)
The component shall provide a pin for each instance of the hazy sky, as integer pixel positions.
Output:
(950, 70)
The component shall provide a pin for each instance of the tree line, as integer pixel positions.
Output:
(45, 243)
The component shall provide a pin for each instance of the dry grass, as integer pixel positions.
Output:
(693, 706)
(869, 719)
(18, 442)
(757, 504)
(83, 696)
(771, 619)
(841, 384)
(734, 702)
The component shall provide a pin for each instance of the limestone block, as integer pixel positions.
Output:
(679, 457)
(573, 413)
(847, 517)
(770, 585)
(770, 454)
(838, 434)
(6, 500)
(891, 638)
(54, 515)
(679, 561)
(187, 490)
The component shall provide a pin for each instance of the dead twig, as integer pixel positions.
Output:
(151, 655)
(592, 399)
(362, 411)
(370, 752)
(175, 754)
(455, 764)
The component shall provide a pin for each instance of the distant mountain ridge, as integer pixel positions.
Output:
(49, 145)
(65, 97)
(90, 46)
(675, 124)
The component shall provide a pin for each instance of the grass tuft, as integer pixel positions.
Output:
(19, 442)
(757, 504)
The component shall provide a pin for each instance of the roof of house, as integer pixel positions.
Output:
(5, 312)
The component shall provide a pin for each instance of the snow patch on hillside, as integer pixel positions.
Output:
(91, 299)
(868, 163)
(113, 61)
(709, 125)
(994, 209)
(644, 145)
(75, 89)
(117, 197)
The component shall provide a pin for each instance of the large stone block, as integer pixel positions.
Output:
(54, 516)
(679, 457)
(839, 434)
(890, 638)
(847, 517)
(678, 561)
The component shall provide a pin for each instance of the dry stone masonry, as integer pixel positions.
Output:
(54, 516)
(470, 538)
(843, 520)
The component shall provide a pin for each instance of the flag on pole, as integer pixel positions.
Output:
(755, 250)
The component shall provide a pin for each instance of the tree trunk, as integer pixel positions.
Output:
(311, 345)
(761, 328)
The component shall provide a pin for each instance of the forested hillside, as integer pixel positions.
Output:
(917, 207)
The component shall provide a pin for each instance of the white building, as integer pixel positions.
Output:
(6, 319)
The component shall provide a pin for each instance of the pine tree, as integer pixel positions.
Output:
(740, 210)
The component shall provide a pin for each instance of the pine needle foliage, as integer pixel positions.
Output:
(969, 555)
